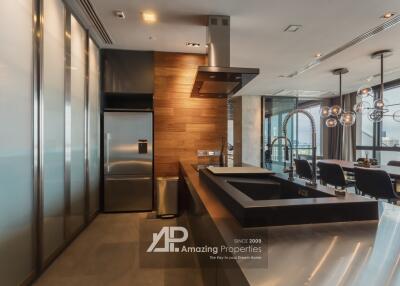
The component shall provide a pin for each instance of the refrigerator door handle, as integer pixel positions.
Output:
(108, 137)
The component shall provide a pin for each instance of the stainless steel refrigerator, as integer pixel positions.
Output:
(128, 161)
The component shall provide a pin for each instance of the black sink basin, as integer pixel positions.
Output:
(274, 191)
(274, 200)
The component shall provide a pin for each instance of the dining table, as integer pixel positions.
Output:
(393, 171)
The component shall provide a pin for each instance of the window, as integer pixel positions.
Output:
(380, 140)
(303, 141)
(298, 129)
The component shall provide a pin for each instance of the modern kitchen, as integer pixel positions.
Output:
(203, 143)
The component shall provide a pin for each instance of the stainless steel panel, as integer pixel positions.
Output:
(94, 128)
(123, 131)
(128, 193)
(17, 236)
(52, 133)
(167, 196)
(76, 204)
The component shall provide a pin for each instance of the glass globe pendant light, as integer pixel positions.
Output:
(376, 115)
(379, 104)
(335, 110)
(332, 114)
(362, 107)
(365, 91)
(346, 118)
(396, 116)
(331, 122)
(324, 111)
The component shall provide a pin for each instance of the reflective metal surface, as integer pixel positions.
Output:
(52, 122)
(128, 193)
(350, 253)
(313, 139)
(219, 80)
(93, 128)
(37, 169)
(354, 253)
(67, 121)
(123, 132)
(167, 196)
(128, 161)
(17, 154)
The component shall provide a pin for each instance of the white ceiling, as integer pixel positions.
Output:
(258, 40)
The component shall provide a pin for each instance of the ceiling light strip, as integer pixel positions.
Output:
(91, 13)
(361, 38)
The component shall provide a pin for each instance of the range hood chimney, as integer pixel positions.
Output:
(218, 79)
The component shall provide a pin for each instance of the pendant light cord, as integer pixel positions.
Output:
(340, 91)
(381, 91)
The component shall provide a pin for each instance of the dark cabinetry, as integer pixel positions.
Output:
(128, 72)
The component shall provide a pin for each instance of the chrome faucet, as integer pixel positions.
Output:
(313, 181)
(287, 140)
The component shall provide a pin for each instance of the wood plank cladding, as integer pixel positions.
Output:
(182, 124)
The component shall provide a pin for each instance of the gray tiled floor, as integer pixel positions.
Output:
(107, 253)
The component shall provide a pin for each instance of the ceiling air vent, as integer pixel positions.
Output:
(302, 93)
(361, 38)
(97, 24)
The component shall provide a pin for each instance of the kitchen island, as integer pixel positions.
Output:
(339, 253)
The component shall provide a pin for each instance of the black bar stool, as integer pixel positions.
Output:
(303, 169)
(395, 164)
(333, 174)
(375, 183)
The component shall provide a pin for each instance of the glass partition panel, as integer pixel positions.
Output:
(390, 130)
(94, 128)
(76, 204)
(298, 130)
(380, 140)
(275, 111)
(303, 134)
(16, 142)
(53, 106)
(365, 127)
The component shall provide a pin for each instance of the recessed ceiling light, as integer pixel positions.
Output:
(388, 15)
(192, 44)
(318, 55)
(119, 14)
(149, 17)
(292, 28)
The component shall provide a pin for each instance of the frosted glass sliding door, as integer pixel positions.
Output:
(16, 141)
(53, 127)
(94, 128)
(76, 204)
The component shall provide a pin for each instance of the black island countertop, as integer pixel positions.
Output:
(262, 200)
(338, 253)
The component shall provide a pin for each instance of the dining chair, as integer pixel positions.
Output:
(303, 169)
(394, 181)
(375, 183)
(333, 174)
(394, 163)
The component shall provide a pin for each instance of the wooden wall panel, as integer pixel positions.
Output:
(183, 124)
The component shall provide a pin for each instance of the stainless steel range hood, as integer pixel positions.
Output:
(218, 79)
